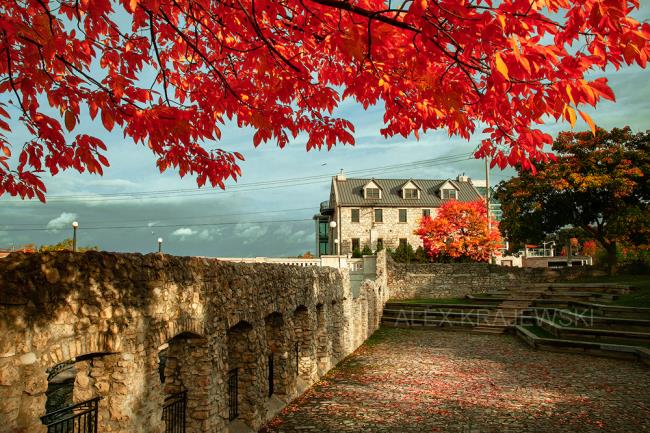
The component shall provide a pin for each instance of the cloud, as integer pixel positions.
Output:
(62, 221)
(250, 232)
(184, 232)
(209, 234)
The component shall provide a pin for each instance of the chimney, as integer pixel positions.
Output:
(341, 176)
(462, 178)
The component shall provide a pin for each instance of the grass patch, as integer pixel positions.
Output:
(639, 295)
(439, 301)
(539, 331)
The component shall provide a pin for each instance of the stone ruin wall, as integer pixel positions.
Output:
(455, 280)
(114, 313)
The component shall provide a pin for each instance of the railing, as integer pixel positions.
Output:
(325, 206)
(539, 252)
(355, 265)
(270, 375)
(78, 418)
(174, 412)
(233, 406)
(340, 262)
(278, 261)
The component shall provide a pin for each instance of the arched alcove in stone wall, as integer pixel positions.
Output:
(78, 380)
(187, 375)
(277, 359)
(304, 344)
(246, 385)
(323, 342)
(75, 381)
(371, 296)
(336, 331)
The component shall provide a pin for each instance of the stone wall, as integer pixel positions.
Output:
(455, 280)
(112, 315)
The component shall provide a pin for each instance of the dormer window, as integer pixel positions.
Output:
(373, 193)
(372, 190)
(410, 190)
(410, 193)
(449, 194)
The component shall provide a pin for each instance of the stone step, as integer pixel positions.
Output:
(489, 329)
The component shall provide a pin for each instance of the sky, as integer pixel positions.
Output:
(269, 211)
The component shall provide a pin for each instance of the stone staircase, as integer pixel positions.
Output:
(508, 311)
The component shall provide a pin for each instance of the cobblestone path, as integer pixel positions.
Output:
(412, 381)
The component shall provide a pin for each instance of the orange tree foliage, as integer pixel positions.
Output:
(459, 232)
(169, 72)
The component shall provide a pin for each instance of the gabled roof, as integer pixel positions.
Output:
(350, 192)
(412, 182)
(449, 183)
(372, 182)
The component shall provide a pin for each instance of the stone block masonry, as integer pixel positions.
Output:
(115, 317)
(455, 280)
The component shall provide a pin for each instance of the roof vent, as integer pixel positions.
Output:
(341, 176)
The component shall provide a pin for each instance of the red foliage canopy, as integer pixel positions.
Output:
(169, 71)
(459, 230)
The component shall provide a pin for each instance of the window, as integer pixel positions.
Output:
(410, 193)
(426, 212)
(379, 216)
(380, 244)
(372, 193)
(402, 215)
(402, 242)
(355, 215)
(322, 229)
(355, 244)
(322, 248)
(449, 194)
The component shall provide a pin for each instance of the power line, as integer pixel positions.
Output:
(254, 186)
(155, 219)
(171, 225)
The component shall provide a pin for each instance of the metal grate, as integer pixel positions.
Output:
(233, 407)
(78, 418)
(271, 374)
(174, 412)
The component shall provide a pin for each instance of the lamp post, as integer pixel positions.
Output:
(335, 241)
(160, 240)
(75, 225)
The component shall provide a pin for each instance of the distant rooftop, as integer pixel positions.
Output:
(350, 192)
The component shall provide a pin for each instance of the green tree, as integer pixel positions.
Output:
(599, 183)
(65, 245)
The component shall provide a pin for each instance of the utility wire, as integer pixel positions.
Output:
(81, 228)
(156, 219)
(255, 186)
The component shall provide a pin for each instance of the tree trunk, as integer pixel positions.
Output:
(612, 259)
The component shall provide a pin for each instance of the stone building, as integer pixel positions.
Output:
(382, 212)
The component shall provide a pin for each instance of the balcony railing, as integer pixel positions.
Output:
(325, 208)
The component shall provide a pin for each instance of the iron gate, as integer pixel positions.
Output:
(174, 412)
(233, 407)
(270, 374)
(78, 418)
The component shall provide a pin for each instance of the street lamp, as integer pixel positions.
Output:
(75, 225)
(160, 245)
(336, 241)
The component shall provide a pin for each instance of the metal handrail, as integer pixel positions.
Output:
(86, 406)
